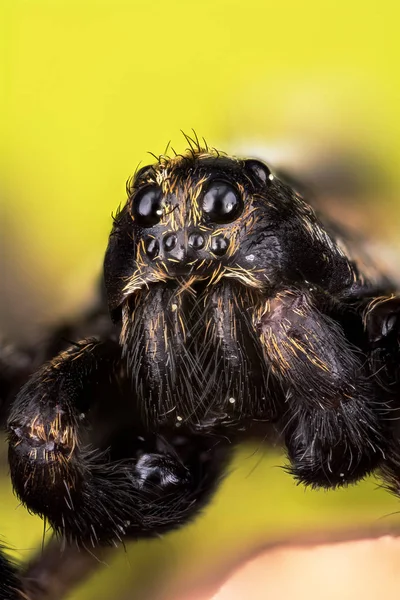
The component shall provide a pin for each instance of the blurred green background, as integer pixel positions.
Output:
(90, 87)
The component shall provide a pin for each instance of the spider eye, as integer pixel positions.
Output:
(221, 202)
(259, 170)
(147, 206)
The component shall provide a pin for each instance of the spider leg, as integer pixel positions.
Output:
(9, 584)
(54, 573)
(334, 424)
(382, 324)
(18, 362)
(80, 455)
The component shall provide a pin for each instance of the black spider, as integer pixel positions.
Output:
(233, 309)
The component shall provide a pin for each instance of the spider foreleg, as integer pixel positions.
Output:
(81, 456)
(334, 426)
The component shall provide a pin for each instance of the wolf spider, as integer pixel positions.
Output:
(229, 307)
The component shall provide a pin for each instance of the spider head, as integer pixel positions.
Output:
(186, 218)
(199, 218)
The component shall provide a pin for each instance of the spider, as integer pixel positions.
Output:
(228, 308)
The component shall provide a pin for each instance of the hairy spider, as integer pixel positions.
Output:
(233, 309)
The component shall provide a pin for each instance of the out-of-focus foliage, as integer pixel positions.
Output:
(91, 85)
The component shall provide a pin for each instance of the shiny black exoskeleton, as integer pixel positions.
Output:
(233, 309)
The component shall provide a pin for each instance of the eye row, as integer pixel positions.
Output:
(221, 204)
(219, 244)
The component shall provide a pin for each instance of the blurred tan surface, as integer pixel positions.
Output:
(365, 569)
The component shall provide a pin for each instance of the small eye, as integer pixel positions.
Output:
(221, 202)
(260, 172)
(147, 206)
(142, 171)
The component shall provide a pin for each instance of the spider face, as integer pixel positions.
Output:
(188, 283)
(203, 218)
(201, 245)
(187, 219)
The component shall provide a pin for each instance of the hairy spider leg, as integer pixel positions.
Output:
(334, 425)
(9, 584)
(382, 323)
(80, 456)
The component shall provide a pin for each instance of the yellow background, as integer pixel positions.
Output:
(90, 87)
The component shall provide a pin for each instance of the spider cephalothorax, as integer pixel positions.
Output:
(232, 303)
(209, 218)
(201, 244)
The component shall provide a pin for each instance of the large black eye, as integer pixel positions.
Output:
(147, 206)
(221, 202)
